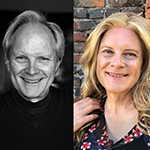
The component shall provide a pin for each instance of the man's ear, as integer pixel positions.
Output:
(7, 63)
(57, 69)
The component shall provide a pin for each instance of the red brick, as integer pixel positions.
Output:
(136, 10)
(80, 37)
(80, 13)
(126, 3)
(74, 69)
(148, 14)
(89, 3)
(76, 25)
(109, 11)
(79, 47)
(77, 92)
(96, 13)
(76, 81)
(76, 58)
(84, 25)
(121, 3)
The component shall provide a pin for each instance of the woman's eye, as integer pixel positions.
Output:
(130, 54)
(107, 51)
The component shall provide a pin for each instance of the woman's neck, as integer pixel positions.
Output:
(120, 116)
(116, 103)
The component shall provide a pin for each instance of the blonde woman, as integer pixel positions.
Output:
(116, 72)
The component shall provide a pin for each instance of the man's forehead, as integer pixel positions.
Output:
(34, 37)
(30, 29)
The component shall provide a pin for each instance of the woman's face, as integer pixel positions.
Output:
(119, 60)
(33, 62)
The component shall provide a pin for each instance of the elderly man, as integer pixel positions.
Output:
(34, 114)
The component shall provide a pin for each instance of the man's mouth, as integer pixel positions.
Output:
(117, 75)
(31, 81)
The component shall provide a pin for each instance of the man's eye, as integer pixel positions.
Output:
(44, 59)
(21, 58)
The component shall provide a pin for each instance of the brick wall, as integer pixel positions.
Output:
(87, 14)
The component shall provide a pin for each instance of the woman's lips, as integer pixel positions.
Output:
(116, 74)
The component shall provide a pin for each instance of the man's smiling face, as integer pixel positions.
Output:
(33, 61)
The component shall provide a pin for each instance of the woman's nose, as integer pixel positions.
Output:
(32, 68)
(117, 61)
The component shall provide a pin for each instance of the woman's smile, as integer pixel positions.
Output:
(119, 60)
(117, 75)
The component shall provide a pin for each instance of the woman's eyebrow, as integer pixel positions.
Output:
(109, 47)
(134, 50)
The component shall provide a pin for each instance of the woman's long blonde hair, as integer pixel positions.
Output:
(91, 87)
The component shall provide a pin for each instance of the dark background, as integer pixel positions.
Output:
(58, 11)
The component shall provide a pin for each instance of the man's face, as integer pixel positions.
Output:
(33, 61)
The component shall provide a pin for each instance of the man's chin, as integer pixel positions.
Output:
(31, 96)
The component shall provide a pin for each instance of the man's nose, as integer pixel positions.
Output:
(32, 68)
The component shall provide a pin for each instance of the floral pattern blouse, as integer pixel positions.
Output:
(96, 138)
